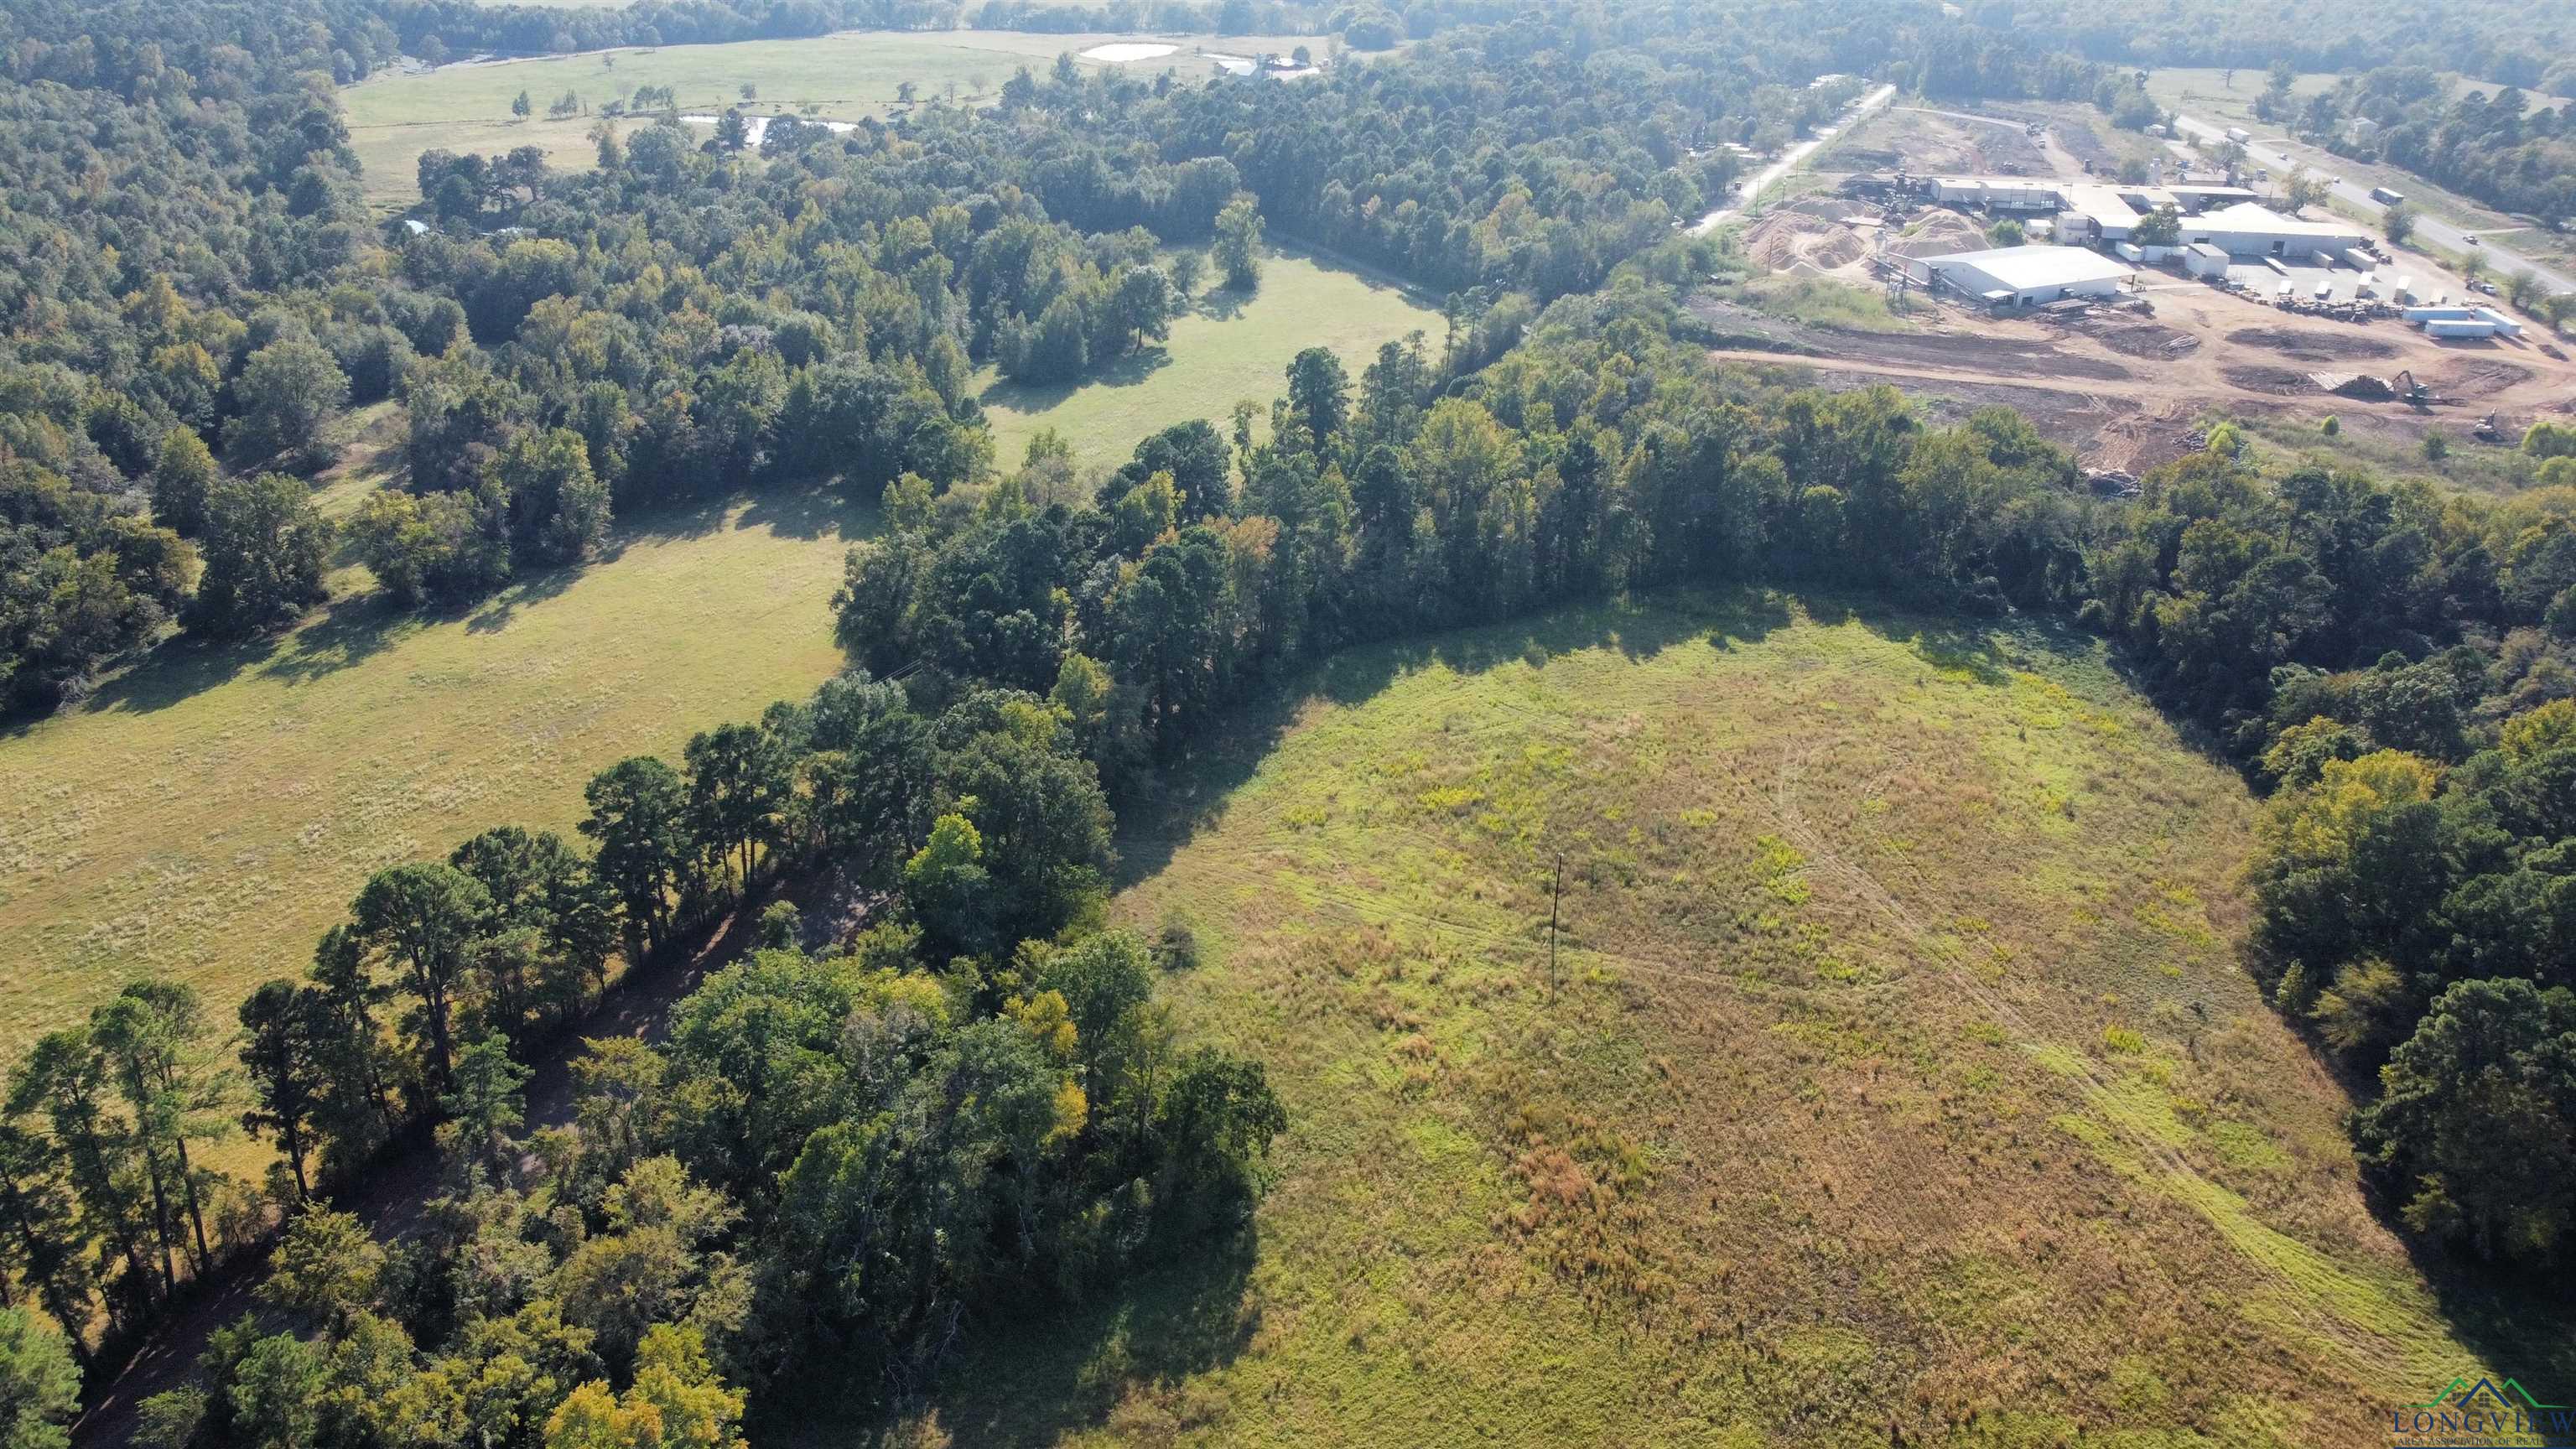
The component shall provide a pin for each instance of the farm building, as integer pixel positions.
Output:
(2021, 276)
(2200, 259)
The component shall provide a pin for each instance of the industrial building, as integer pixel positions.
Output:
(2026, 276)
(2248, 230)
(2226, 217)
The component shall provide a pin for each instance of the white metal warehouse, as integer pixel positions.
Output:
(2021, 276)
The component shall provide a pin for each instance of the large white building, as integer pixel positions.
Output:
(2226, 217)
(2248, 230)
(2021, 276)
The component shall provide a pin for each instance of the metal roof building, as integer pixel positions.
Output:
(2248, 230)
(2022, 276)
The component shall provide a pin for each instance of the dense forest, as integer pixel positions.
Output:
(943, 1087)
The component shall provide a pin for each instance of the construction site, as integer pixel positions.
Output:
(2121, 347)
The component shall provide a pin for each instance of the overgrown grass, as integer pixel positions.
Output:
(2466, 465)
(1232, 346)
(1826, 302)
(393, 118)
(1897, 1071)
(212, 810)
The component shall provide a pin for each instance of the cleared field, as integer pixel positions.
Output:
(211, 811)
(1897, 1026)
(393, 118)
(1229, 348)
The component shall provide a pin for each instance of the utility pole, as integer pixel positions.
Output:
(1555, 894)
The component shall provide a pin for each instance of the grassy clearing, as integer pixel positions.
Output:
(1826, 302)
(1900, 1071)
(211, 811)
(1229, 348)
(2467, 466)
(393, 118)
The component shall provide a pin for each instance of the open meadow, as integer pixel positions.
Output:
(395, 116)
(1229, 347)
(212, 810)
(1896, 1020)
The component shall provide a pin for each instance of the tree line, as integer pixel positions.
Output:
(962, 1093)
(2494, 145)
(2398, 664)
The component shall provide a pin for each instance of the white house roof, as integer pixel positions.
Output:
(2030, 268)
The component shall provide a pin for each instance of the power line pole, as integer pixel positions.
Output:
(1555, 894)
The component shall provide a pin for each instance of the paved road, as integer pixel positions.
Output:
(1753, 185)
(2501, 261)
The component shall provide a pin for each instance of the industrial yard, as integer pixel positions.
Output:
(2125, 317)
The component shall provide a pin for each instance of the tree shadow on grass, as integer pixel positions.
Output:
(1222, 303)
(1948, 642)
(1039, 1372)
(829, 510)
(1192, 792)
(496, 613)
(351, 631)
(694, 518)
(2520, 1323)
(171, 671)
(1126, 370)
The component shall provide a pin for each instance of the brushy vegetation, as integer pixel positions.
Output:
(1816, 1123)
(1826, 302)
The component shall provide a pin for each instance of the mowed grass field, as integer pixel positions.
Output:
(210, 812)
(1899, 1078)
(394, 117)
(1230, 347)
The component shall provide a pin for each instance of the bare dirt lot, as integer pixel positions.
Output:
(2129, 391)
(2123, 389)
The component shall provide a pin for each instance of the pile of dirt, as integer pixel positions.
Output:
(1792, 238)
(2149, 438)
(1939, 233)
(2307, 344)
(2278, 380)
(2360, 385)
(2151, 340)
